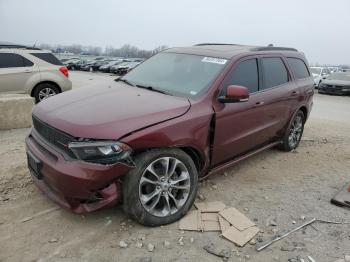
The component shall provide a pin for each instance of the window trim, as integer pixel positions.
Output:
(307, 68)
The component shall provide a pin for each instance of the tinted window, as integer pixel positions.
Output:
(245, 74)
(274, 72)
(298, 67)
(48, 57)
(13, 60)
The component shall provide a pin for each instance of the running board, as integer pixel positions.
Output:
(231, 163)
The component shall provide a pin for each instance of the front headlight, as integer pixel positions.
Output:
(101, 152)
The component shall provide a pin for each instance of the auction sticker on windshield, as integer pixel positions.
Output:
(214, 60)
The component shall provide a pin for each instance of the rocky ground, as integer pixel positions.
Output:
(276, 190)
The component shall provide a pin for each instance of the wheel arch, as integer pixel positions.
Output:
(305, 112)
(192, 152)
(45, 82)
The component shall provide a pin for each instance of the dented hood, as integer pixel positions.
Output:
(108, 112)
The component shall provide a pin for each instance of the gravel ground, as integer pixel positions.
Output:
(288, 188)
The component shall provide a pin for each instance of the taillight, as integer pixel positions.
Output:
(64, 71)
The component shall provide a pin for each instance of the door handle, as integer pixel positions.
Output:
(259, 103)
(27, 71)
(294, 93)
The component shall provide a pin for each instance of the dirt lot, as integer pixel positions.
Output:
(273, 185)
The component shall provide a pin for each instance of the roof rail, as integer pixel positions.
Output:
(273, 48)
(201, 44)
(18, 46)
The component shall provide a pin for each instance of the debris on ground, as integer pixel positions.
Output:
(150, 247)
(166, 244)
(279, 237)
(123, 244)
(223, 253)
(53, 240)
(342, 198)
(213, 216)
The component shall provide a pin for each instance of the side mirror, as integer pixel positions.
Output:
(235, 94)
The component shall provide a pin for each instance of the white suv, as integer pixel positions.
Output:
(25, 70)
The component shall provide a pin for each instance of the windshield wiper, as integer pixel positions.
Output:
(125, 81)
(151, 88)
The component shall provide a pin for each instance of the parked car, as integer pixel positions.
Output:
(32, 71)
(87, 66)
(336, 83)
(319, 74)
(122, 70)
(178, 117)
(114, 69)
(106, 68)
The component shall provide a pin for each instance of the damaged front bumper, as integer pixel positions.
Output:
(75, 185)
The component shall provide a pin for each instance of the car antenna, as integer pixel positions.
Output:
(270, 45)
(35, 43)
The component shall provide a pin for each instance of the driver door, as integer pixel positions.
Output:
(239, 126)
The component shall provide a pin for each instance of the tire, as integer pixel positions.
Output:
(45, 90)
(293, 133)
(160, 209)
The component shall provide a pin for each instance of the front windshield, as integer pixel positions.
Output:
(315, 71)
(182, 74)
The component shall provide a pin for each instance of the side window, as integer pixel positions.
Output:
(245, 74)
(48, 57)
(298, 67)
(274, 72)
(11, 60)
(27, 62)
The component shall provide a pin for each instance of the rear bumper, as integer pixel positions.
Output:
(75, 185)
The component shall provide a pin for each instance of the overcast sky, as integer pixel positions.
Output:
(319, 28)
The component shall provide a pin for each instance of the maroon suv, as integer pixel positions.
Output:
(181, 115)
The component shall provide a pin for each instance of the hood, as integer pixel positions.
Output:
(108, 112)
(336, 82)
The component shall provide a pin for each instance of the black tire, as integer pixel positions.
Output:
(132, 190)
(37, 95)
(289, 144)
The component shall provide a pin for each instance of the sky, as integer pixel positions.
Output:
(320, 29)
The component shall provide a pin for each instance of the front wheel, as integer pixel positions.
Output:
(294, 133)
(161, 188)
(44, 91)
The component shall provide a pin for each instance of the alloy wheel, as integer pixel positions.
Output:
(46, 93)
(295, 131)
(164, 186)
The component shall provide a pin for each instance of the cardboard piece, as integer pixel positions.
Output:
(211, 226)
(236, 218)
(224, 225)
(191, 222)
(240, 238)
(211, 207)
(210, 217)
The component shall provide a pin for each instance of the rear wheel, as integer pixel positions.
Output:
(161, 188)
(44, 91)
(294, 133)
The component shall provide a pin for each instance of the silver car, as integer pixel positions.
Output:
(32, 71)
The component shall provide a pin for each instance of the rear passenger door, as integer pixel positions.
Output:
(15, 71)
(278, 94)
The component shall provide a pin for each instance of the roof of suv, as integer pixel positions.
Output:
(226, 51)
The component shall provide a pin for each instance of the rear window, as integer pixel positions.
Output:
(8, 60)
(274, 72)
(48, 57)
(298, 67)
